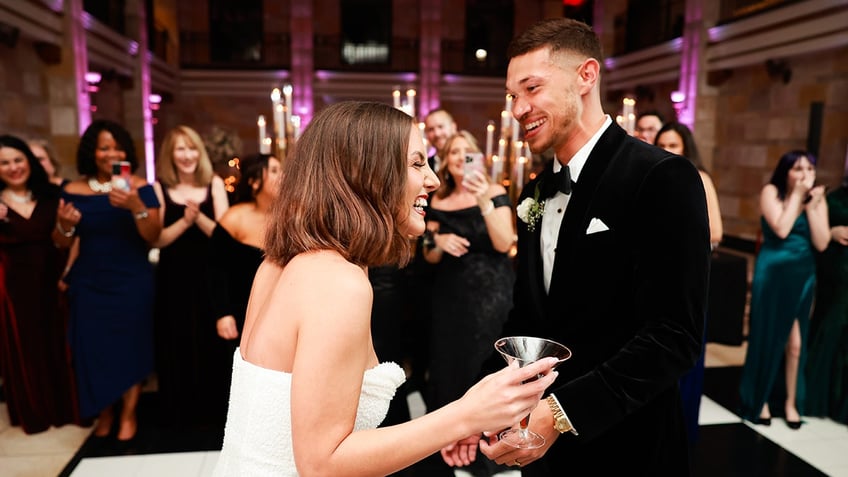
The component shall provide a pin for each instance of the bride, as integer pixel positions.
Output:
(308, 390)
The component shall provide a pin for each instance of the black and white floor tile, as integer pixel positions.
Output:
(727, 446)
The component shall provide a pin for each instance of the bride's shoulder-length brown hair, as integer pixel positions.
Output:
(342, 187)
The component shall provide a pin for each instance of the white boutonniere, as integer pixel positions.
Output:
(530, 210)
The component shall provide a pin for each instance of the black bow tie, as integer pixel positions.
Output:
(560, 181)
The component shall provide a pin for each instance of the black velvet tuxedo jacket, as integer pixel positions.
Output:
(629, 302)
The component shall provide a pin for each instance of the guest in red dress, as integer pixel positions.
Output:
(34, 359)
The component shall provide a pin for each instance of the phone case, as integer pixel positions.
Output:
(121, 175)
(474, 162)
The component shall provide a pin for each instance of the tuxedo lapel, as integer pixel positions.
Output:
(575, 220)
(533, 253)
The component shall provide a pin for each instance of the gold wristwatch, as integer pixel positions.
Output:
(561, 422)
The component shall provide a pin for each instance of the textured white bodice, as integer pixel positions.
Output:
(257, 437)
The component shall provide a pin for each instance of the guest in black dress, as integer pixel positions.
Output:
(192, 199)
(235, 252)
(470, 222)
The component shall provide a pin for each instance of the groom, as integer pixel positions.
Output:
(614, 265)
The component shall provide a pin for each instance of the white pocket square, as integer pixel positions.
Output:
(595, 226)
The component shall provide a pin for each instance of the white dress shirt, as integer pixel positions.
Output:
(555, 206)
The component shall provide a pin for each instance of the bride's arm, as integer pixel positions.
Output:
(331, 301)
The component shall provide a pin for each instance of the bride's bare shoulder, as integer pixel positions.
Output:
(325, 270)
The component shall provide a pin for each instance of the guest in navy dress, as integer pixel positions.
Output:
(110, 285)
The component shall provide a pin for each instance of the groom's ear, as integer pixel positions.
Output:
(588, 74)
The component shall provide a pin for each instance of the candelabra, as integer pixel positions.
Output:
(286, 127)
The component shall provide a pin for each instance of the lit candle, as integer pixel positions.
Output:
(275, 102)
(295, 120)
(505, 123)
(519, 173)
(508, 104)
(501, 148)
(410, 101)
(421, 127)
(514, 125)
(490, 132)
(287, 92)
(281, 126)
(628, 117)
(266, 146)
(497, 166)
(396, 97)
(261, 123)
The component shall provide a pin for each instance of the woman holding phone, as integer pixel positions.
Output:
(110, 285)
(469, 232)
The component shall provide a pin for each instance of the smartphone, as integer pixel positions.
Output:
(474, 162)
(121, 173)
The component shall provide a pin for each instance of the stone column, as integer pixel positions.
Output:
(68, 97)
(302, 64)
(604, 22)
(698, 110)
(430, 51)
(138, 118)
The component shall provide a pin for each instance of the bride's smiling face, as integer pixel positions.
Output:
(420, 182)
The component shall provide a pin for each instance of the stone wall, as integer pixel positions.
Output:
(758, 118)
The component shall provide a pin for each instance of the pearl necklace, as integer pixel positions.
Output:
(104, 188)
(21, 199)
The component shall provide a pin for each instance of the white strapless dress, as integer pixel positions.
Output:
(257, 437)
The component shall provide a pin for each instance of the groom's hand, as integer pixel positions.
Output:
(461, 453)
(541, 422)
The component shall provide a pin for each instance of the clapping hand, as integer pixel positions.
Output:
(192, 211)
(67, 215)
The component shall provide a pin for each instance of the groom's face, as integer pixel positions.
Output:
(546, 99)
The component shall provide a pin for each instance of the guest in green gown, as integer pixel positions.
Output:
(794, 223)
(827, 365)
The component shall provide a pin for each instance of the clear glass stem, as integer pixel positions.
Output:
(522, 428)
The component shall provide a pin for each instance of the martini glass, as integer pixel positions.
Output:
(526, 350)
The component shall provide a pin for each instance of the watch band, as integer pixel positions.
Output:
(561, 421)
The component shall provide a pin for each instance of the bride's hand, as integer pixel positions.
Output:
(502, 399)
